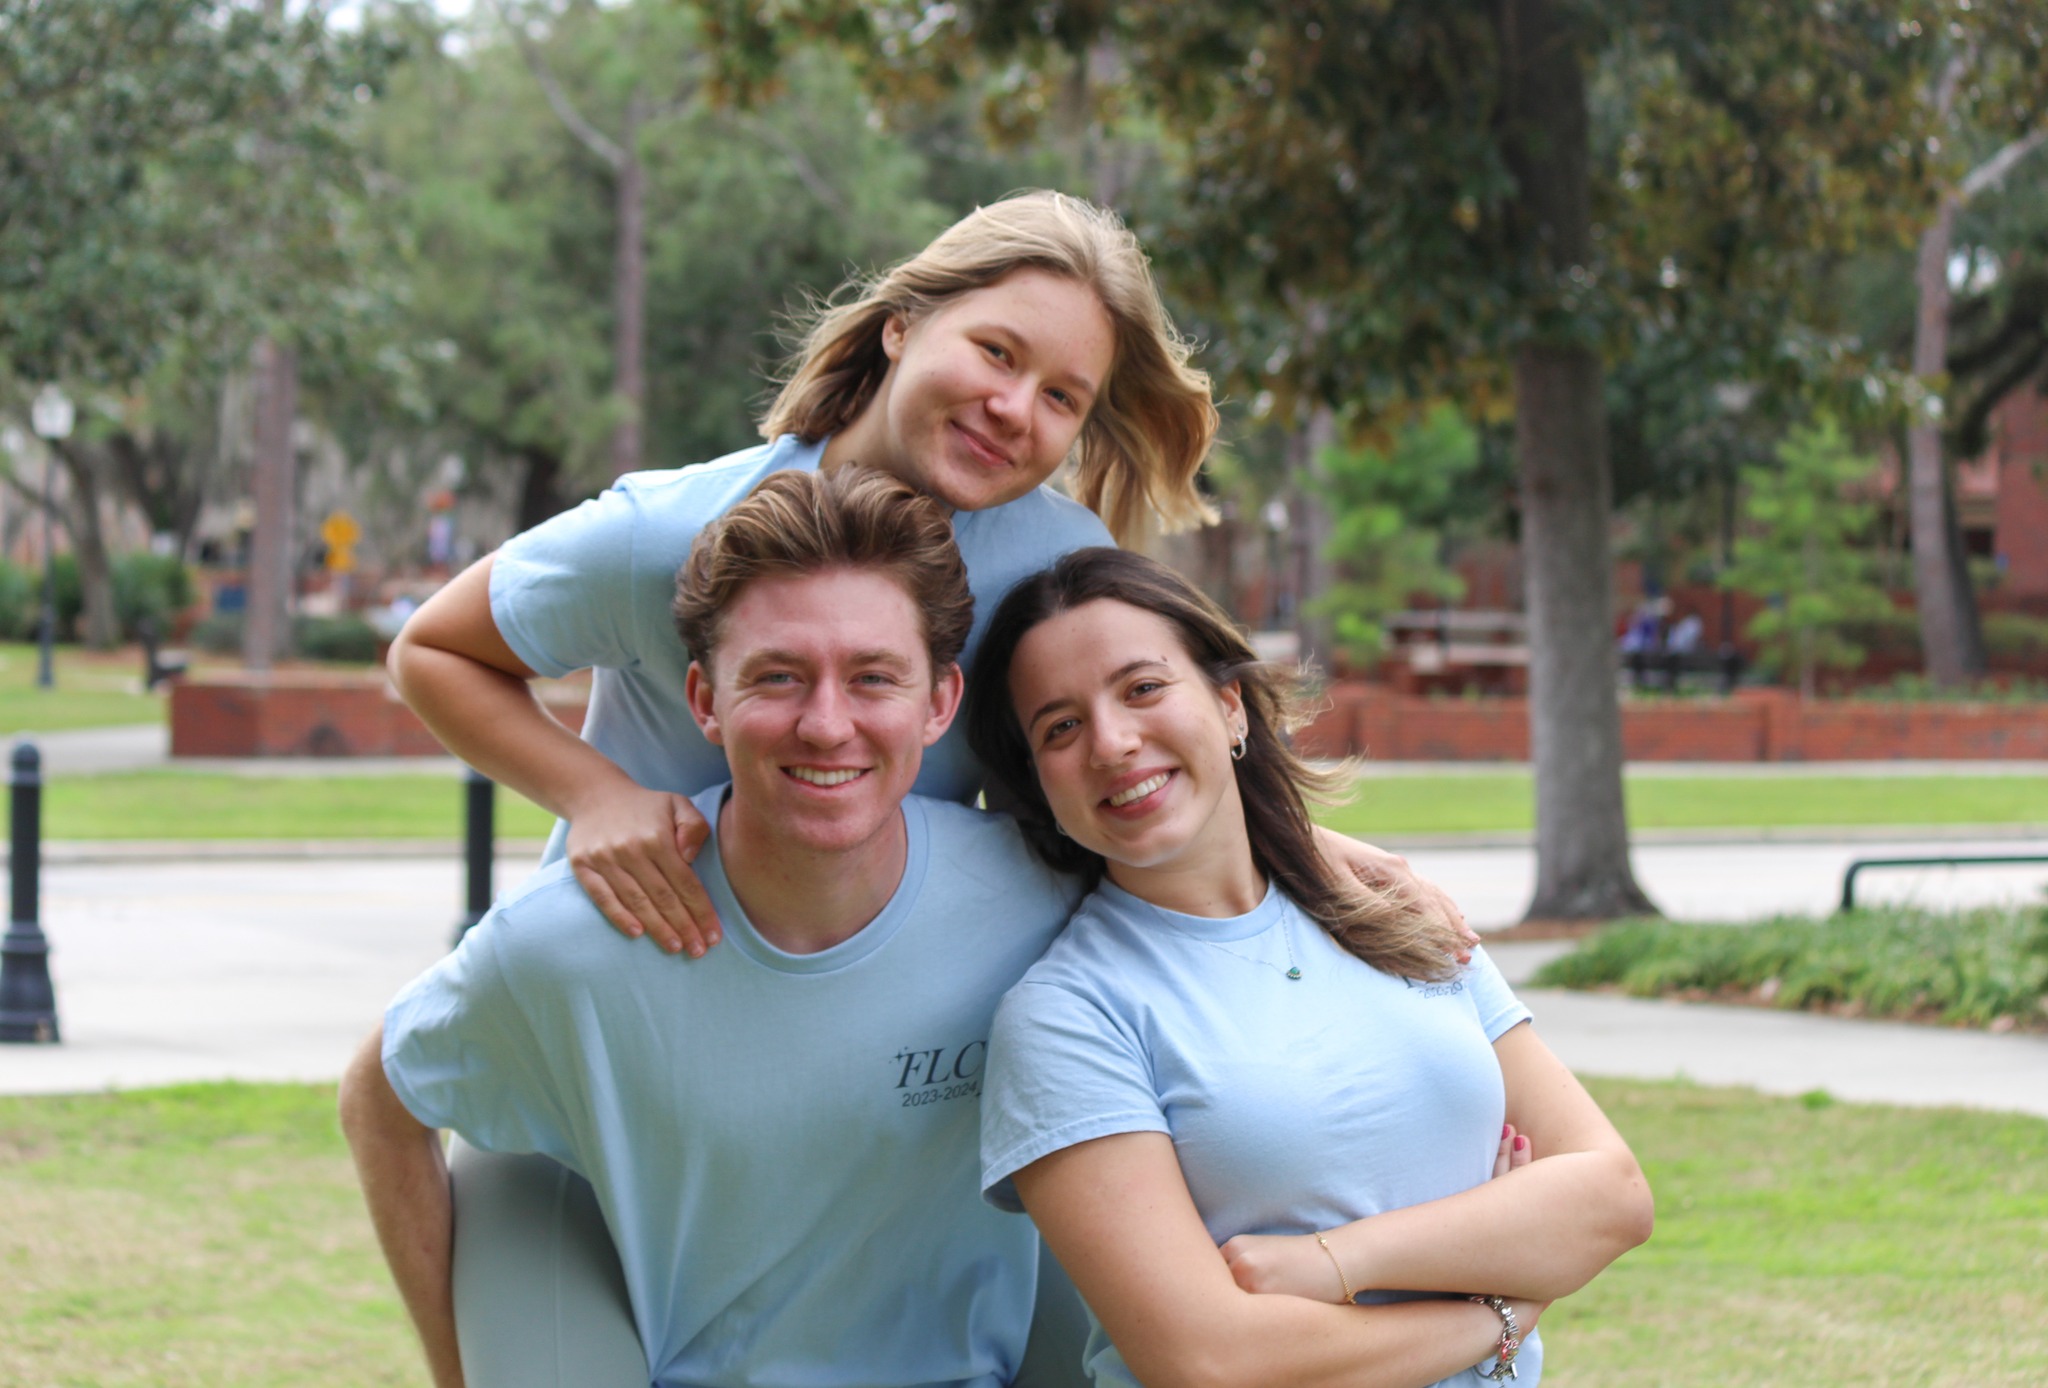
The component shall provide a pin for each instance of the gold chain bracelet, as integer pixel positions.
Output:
(1342, 1280)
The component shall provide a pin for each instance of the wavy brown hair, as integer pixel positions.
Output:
(1388, 928)
(796, 522)
(1151, 427)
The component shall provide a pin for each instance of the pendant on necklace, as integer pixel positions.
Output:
(1294, 973)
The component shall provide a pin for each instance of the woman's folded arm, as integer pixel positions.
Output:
(1117, 1213)
(1542, 1230)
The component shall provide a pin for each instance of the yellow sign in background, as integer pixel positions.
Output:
(341, 532)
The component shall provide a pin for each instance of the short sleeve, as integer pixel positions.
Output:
(1060, 1071)
(460, 1053)
(562, 593)
(1498, 1007)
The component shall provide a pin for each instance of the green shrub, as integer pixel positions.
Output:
(2015, 636)
(21, 596)
(334, 638)
(1894, 633)
(1970, 967)
(315, 638)
(70, 596)
(150, 587)
(220, 634)
(1917, 688)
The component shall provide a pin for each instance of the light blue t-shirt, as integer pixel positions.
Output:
(594, 587)
(1294, 1104)
(785, 1146)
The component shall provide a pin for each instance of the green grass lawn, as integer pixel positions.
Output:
(201, 1236)
(212, 1235)
(1505, 800)
(175, 804)
(1810, 1243)
(217, 805)
(93, 690)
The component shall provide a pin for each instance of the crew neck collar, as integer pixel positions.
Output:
(741, 933)
(1253, 922)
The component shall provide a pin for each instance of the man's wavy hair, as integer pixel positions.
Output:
(796, 523)
(1151, 427)
(1390, 929)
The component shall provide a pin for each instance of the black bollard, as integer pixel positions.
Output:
(28, 1005)
(479, 841)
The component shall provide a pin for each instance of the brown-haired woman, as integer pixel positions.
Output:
(1231, 1047)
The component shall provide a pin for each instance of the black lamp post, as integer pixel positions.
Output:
(28, 1004)
(479, 844)
(52, 415)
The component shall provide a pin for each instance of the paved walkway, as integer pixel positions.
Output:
(274, 970)
(1714, 879)
(87, 750)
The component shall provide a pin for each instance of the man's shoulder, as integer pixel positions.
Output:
(1041, 519)
(548, 921)
(975, 850)
(954, 825)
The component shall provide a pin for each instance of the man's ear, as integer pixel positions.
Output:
(697, 692)
(948, 689)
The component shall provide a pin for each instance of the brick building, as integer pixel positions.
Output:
(2001, 502)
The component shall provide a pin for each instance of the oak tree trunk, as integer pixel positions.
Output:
(539, 488)
(99, 625)
(1582, 858)
(1311, 526)
(266, 621)
(1951, 637)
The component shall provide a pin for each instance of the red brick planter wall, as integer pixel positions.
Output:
(1754, 725)
(307, 713)
(297, 713)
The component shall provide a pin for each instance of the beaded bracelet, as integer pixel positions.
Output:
(1510, 1339)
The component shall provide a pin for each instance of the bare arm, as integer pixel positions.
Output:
(405, 1183)
(630, 847)
(1117, 1213)
(1541, 1230)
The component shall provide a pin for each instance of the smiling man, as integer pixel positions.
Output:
(783, 1136)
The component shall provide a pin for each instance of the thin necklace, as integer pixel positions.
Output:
(1292, 973)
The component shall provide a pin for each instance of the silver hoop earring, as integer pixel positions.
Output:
(1062, 829)
(1237, 748)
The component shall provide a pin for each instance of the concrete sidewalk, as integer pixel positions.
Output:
(275, 970)
(1779, 1052)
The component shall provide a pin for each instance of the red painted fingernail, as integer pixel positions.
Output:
(1504, 1129)
(1521, 1144)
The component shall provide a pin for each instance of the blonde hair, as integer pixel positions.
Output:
(1144, 440)
(795, 523)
